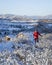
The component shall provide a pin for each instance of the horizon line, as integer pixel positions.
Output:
(27, 15)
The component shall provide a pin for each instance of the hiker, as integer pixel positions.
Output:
(36, 36)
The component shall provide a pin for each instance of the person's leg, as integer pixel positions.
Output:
(34, 42)
(37, 40)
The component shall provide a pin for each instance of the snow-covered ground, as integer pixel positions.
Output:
(20, 49)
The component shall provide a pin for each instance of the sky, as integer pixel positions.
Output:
(26, 7)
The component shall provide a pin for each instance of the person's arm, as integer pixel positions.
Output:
(39, 34)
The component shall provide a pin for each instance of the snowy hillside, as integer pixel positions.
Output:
(17, 46)
(15, 18)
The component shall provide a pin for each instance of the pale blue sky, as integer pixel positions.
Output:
(26, 7)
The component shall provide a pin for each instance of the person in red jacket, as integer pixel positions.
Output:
(36, 36)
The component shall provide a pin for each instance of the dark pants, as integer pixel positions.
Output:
(36, 40)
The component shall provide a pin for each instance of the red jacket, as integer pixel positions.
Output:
(36, 34)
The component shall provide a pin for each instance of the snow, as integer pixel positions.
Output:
(50, 24)
(20, 49)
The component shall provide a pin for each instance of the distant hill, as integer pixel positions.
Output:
(48, 17)
(15, 17)
(12, 17)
